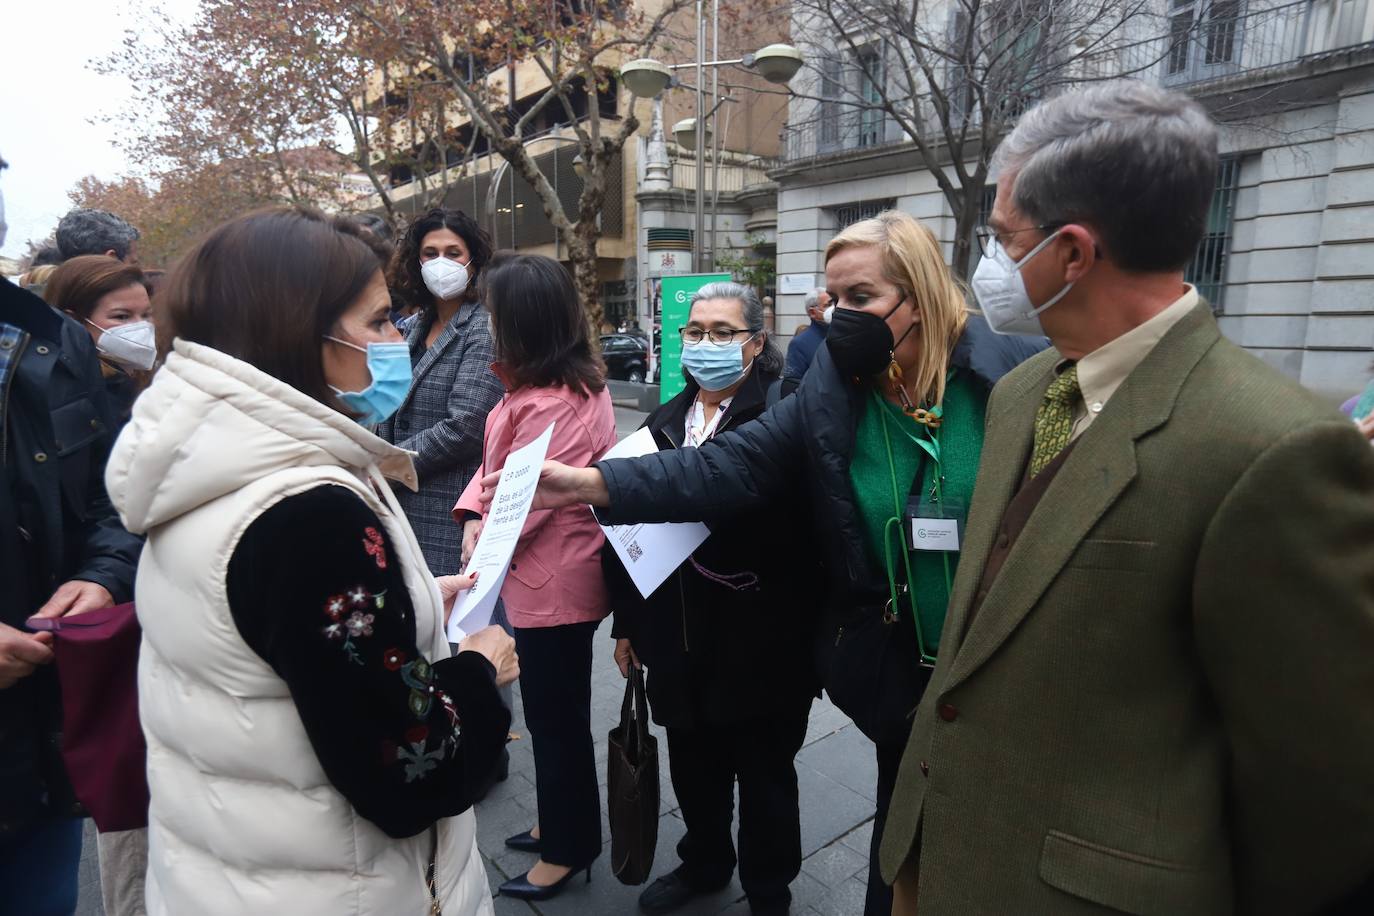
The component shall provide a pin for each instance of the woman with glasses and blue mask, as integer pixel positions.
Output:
(727, 638)
(314, 745)
(882, 442)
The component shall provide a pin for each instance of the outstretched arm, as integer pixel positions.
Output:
(743, 467)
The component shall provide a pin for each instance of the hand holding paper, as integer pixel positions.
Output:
(650, 553)
(506, 513)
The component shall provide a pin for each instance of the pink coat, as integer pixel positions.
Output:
(555, 575)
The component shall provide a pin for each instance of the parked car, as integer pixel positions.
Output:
(626, 356)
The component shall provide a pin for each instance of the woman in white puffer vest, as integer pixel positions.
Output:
(312, 746)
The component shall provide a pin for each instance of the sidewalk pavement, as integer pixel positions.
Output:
(836, 771)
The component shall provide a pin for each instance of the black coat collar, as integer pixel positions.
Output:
(25, 311)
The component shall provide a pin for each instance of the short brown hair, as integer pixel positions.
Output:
(538, 326)
(79, 283)
(265, 288)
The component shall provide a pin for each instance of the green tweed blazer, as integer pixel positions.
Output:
(1166, 702)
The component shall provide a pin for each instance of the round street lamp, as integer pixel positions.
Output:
(685, 133)
(777, 63)
(645, 77)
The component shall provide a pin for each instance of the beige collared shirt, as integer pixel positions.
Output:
(1102, 371)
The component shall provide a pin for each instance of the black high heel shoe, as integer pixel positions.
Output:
(525, 842)
(522, 888)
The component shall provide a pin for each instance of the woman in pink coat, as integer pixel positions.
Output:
(554, 594)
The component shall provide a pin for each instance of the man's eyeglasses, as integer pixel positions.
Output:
(721, 337)
(986, 235)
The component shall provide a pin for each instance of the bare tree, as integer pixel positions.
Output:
(476, 48)
(264, 86)
(951, 77)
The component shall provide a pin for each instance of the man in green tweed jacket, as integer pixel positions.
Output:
(1155, 690)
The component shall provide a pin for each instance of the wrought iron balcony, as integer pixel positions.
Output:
(1207, 41)
(1196, 45)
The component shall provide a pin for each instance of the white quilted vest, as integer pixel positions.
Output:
(243, 819)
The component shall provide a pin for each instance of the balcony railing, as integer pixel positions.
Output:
(846, 129)
(1199, 42)
(733, 177)
(1211, 40)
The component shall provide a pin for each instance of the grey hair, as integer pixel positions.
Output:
(1133, 161)
(813, 298)
(770, 358)
(87, 231)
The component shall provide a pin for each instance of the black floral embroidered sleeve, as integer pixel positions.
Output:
(316, 590)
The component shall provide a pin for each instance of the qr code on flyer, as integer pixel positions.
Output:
(635, 551)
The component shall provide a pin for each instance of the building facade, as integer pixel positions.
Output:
(1288, 260)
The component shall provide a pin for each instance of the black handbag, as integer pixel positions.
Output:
(632, 786)
(873, 672)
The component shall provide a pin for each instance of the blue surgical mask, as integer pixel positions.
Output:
(715, 368)
(389, 365)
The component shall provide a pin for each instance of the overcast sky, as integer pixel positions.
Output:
(49, 99)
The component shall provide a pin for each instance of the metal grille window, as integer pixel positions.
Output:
(986, 197)
(832, 86)
(1207, 270)
(848, 216)
(1204, 38)
(870, 66)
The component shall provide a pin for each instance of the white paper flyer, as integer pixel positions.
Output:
(500, 534)
(650, 553)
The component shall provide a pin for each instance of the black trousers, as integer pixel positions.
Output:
(556, 687)
(878, 901)
(705, 764)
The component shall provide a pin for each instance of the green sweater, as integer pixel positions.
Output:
(960, 445)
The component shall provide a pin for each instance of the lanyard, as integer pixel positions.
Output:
(931, 445)
(709, 429)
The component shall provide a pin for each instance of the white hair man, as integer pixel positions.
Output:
(1153, 686)
(803, 347)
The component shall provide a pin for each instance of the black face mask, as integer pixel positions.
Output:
(861, 343)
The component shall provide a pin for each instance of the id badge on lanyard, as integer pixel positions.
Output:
(934, 524)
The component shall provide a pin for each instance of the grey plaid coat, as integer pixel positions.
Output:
(443, 419)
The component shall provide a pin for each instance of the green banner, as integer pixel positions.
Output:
(677, 297)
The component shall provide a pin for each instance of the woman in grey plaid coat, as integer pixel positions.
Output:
(443, 418)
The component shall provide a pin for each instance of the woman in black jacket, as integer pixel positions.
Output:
(727, 637)
(885, 430)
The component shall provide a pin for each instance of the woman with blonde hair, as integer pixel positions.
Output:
(883, 439)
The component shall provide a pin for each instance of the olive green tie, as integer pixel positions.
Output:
(1054, 419)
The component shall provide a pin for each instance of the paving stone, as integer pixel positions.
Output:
(829, 810)
(509, 906)
(847, 757)
(833, 864)
(860, 838)
(845, 900)
(806, 891)
(88, 901)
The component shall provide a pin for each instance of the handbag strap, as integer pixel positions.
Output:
(634, 709)
(642, 708)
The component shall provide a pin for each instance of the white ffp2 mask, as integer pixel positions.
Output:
(1001, 291)
(131, 346)
(444, 277)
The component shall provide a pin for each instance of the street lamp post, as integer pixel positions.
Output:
(646, 78)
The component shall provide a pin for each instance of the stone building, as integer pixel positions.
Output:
(1288, 261)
